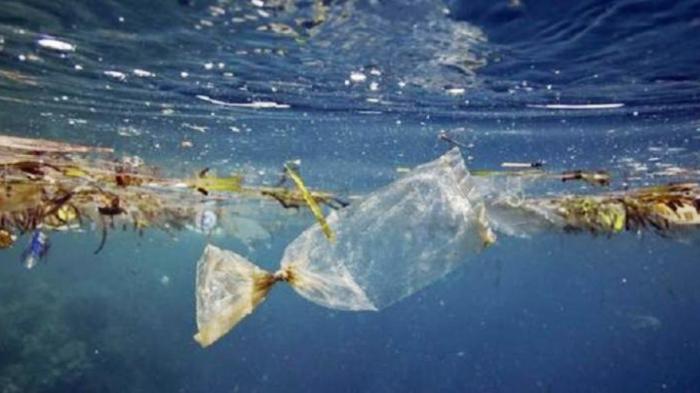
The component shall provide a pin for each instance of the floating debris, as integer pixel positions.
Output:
(253, 105)
(310, 201)
(579, 106)
(359, 270)
(115, 74)
(202, 129)
(18, 77)
(55, 44)
(205, 221)
(357, 77)
(143, 73)
(596, 178)
(37, 249)
(433, 219)
(665, 210)
(7, 239)
(283, 30)
(522, 165)
(53, 186)
(447, 138)
(455, 91)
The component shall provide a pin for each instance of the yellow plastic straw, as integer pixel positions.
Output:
(313, 205)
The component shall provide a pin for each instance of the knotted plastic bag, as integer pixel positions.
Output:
(398, 240)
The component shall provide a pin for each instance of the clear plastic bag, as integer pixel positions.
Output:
(395, 242)
(398, 240)
(229, 287)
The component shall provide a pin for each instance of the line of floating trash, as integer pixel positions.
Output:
(414, 231)
(55, 186)
(366, 255)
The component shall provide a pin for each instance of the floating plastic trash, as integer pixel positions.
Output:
(414, 231)
(205, 221)
(398, 240)
(58, 186)
(52, 186)
(37, 249)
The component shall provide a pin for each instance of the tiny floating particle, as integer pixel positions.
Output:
(57, 45)
(521, 165)
(115, 74)
(455, 91)
(254, 105)
(195, 127)
(206, 221)
(217, 11)
(282, 29)
(143, 73)
(357, 77)
(128, 131)
(578, 106)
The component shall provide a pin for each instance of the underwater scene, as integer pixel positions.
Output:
(349, 196)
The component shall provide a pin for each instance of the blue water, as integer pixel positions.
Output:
(364, 92)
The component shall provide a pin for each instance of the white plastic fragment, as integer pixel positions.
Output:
(115, 74)
(578, 106)
(253, 105)
(55, 44)
(143, 73)
(357, 77)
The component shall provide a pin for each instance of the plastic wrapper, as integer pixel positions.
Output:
(398, 240)
(229, 287)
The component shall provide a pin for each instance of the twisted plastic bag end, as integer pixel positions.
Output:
(229, 287)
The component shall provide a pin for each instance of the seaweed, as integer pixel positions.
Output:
(663, 209)
(58, 186)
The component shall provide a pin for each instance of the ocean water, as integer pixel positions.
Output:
(356, 91)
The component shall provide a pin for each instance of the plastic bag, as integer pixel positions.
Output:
(398, 240)
(229, 287)
(395, 242)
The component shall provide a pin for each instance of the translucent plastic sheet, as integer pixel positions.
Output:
(229, 287)
(414, 231)
(398, 240)
(522, 218)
